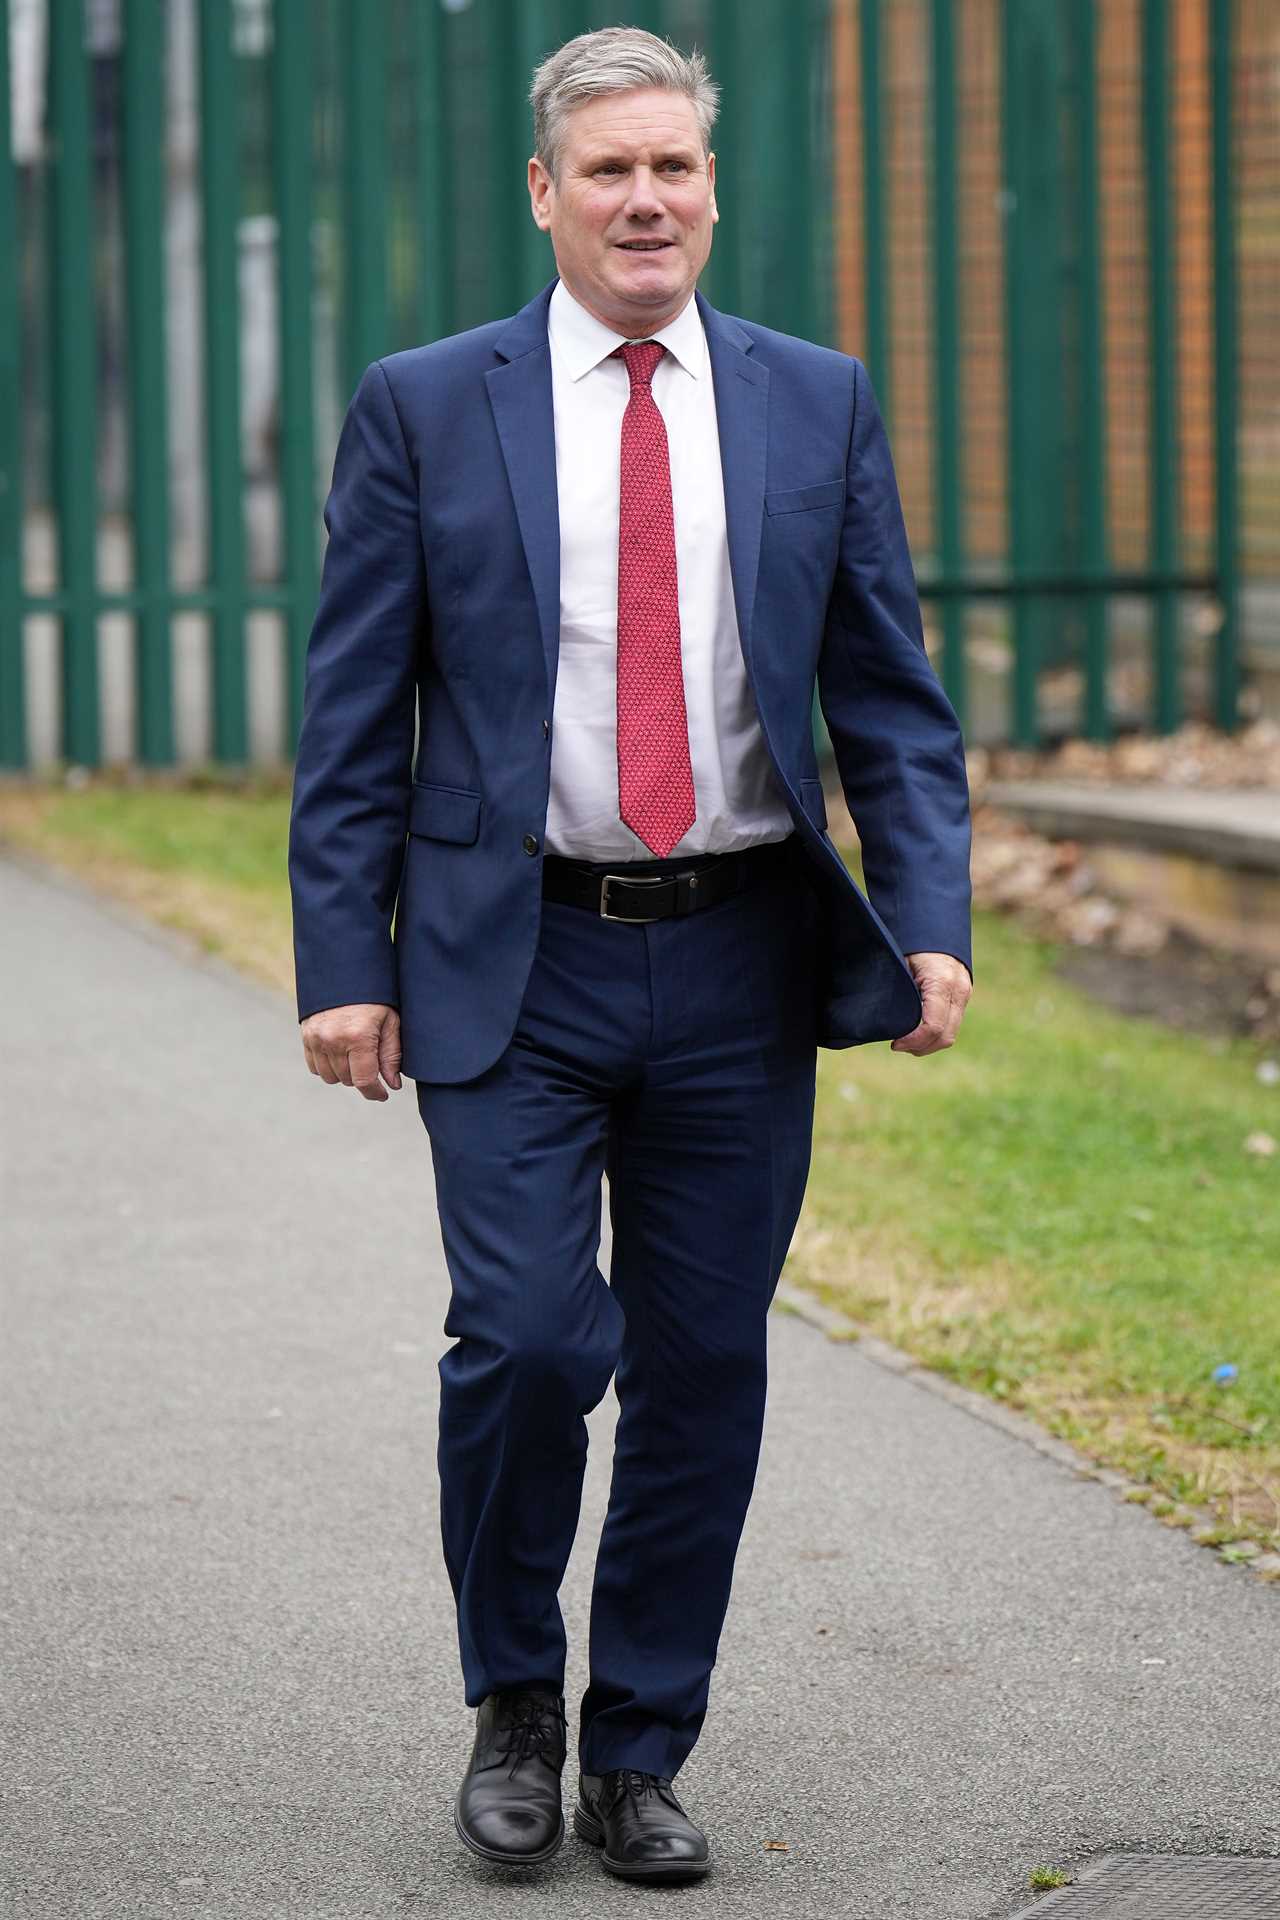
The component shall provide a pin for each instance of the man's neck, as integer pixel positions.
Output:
(633, 329)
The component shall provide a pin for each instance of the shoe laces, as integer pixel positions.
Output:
(533, 1723)
(638, 1784)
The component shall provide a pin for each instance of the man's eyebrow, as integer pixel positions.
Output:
(607, 157)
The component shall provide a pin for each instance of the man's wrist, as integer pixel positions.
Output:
(335, 1006)
(944, 952)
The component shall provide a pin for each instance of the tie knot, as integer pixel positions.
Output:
(640, 358)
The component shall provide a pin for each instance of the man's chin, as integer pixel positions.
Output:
(651, 288)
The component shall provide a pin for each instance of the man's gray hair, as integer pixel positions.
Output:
(613, 60)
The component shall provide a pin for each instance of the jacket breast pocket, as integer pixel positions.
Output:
(827, 493)
(444, 813)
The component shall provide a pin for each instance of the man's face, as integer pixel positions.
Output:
(630, 218)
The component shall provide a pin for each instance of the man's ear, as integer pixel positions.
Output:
(540, 192)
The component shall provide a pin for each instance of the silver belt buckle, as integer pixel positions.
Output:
(630, 919)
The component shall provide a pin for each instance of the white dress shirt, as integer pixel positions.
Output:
(738, 800)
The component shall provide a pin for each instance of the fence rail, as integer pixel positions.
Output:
(1050, 230)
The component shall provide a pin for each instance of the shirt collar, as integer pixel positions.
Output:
(582, 341)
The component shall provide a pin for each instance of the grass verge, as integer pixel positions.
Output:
(1060, 1211)
(203, 856)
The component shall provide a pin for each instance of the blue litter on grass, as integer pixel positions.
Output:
(1226, 1373)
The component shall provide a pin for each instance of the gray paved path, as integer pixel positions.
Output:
(229, 1672)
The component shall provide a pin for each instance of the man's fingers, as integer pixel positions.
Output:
(318, 1060)
(955, 1013)
(938, 1023)
(944, 993)
(926, 1038)
(362, 1070)
(389, 1050)
(352, 1046)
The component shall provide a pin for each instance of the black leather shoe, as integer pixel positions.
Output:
(508, 1807)
(644, 1831)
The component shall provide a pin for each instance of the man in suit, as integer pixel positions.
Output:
(606, 548)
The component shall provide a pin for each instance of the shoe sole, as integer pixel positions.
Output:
(497, 1859)
(589, 1828)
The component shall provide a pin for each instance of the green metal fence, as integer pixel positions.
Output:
(1051, 211)
(234, 206)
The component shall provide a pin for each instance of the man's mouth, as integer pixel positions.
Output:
(643, 246)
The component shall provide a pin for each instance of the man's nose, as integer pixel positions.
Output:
(643, 200)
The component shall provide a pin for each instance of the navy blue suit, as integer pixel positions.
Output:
(549, 1045)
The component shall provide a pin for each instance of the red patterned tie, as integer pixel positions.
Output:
(655, 778)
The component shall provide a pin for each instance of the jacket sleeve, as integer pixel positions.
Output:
(354, 765)
(896, 738)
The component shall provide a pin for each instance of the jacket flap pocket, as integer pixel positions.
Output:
(829, 493)
(444, 813)
(814, 801)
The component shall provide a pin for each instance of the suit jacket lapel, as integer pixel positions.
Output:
(742, 417)
(520, 396)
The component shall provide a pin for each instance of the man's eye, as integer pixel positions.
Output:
(679, 166)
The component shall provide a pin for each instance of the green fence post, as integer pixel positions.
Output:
(366, 304)
(812, 77)
(506, 153)
(1033, 318)
(436, 303)
(1164, 375)
(291, 100)
(758, 198)
(143, 182)
(877, 352)
(13, 723)
(725, 263)
(1023, 719)
(1093, 457)
(947, 396)
(75, 439)
(1226, 365)
(536, 42)
(780, 286)
(220, 187)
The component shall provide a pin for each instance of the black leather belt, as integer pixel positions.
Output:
(643, 890)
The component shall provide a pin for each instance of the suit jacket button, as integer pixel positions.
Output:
(529, 843)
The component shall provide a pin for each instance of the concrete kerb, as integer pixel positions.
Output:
(839, 1328)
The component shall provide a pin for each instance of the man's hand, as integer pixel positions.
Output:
(354, 1045)
(945, 987)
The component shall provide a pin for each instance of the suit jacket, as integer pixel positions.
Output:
(440, 590)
